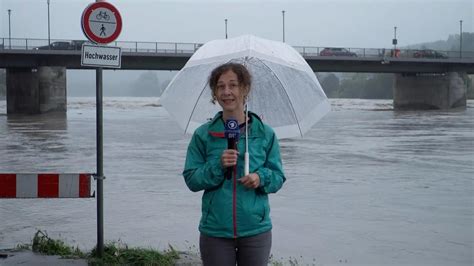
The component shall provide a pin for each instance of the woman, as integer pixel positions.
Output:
(235, 225)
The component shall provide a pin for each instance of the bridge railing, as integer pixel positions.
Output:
(25, 44)
(127, 46)
(158, 47)
(190, 48)
(384, 52)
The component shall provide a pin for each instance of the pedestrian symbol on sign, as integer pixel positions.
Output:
(102, 30)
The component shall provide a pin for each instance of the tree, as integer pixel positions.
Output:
(352, 86)
(379, 86)
(330, 84)
(367, 86)
(146, 85)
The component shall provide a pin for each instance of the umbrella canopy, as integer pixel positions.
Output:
(285, 92)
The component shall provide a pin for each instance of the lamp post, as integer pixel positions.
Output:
(395, 38)
(283, 14)
(225, 20)
(460, 39)
(9, 30)
(49, 36)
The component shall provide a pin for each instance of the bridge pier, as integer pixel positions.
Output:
(36, 91)
(429, 91)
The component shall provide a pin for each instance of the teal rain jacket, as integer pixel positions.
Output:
(229, 209)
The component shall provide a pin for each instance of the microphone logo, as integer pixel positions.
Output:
(232, 124)
(232, 133)
(231, 129)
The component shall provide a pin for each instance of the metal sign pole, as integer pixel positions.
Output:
(100, 166)
(95, 31)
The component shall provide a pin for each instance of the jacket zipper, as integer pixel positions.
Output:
(234, 202)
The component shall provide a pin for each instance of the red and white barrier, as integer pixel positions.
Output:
(45, 185)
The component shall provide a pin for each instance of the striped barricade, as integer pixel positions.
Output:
(45, 185)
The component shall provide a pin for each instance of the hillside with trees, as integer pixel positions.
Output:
(451, 44)
(380, 86)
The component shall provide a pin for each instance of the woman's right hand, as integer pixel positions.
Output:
(229, 158)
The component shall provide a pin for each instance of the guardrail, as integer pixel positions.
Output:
(384, 52)
(127, 46)
(190, 48)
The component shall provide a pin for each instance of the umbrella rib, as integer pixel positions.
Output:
(194, 107)
(289, 100)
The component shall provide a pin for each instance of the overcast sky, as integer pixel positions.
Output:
(345, 23)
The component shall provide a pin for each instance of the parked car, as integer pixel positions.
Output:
(55, 46)
(62, 45)
(77, 44)
(428, 53)
(337, 52)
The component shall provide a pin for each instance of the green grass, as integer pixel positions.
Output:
(120, 255)
(45, 245)
(115, 253)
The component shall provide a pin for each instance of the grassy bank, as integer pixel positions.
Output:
(114, 253)
(118, 253)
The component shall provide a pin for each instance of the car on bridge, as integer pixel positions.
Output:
(77, 44)
(62, 45)
(428, 53)
(337, 52)
(55, 46)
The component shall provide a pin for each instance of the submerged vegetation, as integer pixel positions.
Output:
(115, 253)
(118, 253)
(45, 245)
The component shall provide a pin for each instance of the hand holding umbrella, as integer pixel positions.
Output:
(250, 180)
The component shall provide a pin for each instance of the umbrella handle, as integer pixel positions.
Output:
(247, 163)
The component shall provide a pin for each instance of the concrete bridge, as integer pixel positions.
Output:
(36, 75)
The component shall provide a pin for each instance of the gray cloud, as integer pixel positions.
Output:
(348, 23)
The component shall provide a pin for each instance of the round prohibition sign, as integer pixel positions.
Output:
(101, 22)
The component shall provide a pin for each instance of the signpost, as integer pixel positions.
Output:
(102, 24)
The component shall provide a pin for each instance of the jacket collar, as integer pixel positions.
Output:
(216, 126)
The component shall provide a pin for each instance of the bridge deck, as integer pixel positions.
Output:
(26, 53)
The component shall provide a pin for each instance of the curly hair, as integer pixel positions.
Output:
(243, 76)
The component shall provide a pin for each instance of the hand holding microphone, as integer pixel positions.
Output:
(229, 158)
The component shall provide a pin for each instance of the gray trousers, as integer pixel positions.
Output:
(245, 251)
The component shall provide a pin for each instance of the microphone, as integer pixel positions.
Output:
(231, 133)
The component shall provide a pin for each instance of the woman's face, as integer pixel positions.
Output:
(229, 93)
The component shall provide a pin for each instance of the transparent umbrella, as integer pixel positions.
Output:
(285, 92)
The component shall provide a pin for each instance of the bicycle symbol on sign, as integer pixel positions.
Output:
(102, 15)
